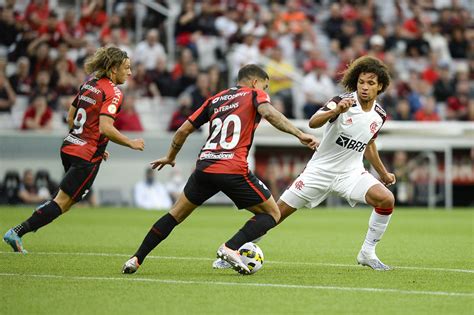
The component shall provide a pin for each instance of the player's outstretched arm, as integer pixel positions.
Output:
(176, 144)
(321, 117)
(279, 121)
(372, 155)
(106, 127)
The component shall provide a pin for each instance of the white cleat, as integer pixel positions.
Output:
(131, 265)
(372, 262)
(232, 257)
(220, 264)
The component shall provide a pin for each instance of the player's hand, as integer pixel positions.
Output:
(344, 105)
(106, 155)
(137, 144)
(309, 140)
(388, 179)
(162, 162)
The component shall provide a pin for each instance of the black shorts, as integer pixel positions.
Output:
(244, 190)
(80, 174)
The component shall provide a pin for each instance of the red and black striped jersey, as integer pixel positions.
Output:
(233, 117)
(96, 97)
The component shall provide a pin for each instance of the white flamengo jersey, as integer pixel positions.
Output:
(345, 137)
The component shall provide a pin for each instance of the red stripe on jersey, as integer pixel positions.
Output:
(254, 188)
(85, 182)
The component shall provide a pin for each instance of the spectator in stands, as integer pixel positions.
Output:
(37, 13)
(458, 104)
(151, 194)
(89, 50)
(185, 57)
(458, 45)
(49, 31)
(377, 47)
(71, 31)
(93, 15)
(318, 87)
(186, 23)
(7, 94)
(403, 111)
(216, 81)
(182, 113)
(427, 112)
(189, 77)
(128, 119)
(280, 84)
(148, 51)
(162, 83)
(8, 28)
(438, 42)
(38, 116)
(42, 87)
(154, 18)
(199, 92)
(65, 82)
(333, 25)
(21, 81)
(29, 193)
(119, 38)
(38, 52)
(443, 87)
(244, 53)
(226, 24)
(128, 15)
(140, 82)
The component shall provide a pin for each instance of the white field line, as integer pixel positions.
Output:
(267, 261)
(247, 284)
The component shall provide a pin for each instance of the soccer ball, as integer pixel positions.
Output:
(252, 256)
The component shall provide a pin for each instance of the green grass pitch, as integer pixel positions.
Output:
(74, 265)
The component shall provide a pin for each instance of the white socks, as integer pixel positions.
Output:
(377, 225)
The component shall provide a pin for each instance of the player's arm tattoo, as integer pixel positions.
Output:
(278, 120)
(176, 145)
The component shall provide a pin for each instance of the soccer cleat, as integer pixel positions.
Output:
(372, 262)
(220, 264)
(131, 265)
(12, 239)
(232, 257)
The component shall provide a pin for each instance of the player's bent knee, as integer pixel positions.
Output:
(389, 200)
(386, 200)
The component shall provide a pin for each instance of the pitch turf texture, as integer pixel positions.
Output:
(74, 265)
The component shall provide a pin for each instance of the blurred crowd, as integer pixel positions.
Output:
(304, 45)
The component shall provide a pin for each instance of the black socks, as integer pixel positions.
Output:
(254, 228)
(159, 231)
(43, 215)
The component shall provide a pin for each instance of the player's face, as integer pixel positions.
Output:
(368, 86)
(260, 84)
(123, 72)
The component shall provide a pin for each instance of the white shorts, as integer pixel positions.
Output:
(314, 185)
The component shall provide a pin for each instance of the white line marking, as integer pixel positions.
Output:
(249, 284)
(267, 261)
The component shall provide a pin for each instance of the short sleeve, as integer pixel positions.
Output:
(330, 105)
(260, 97)
(200, 116)
(112, 102)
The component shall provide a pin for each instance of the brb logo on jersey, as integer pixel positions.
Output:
(349, 143)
